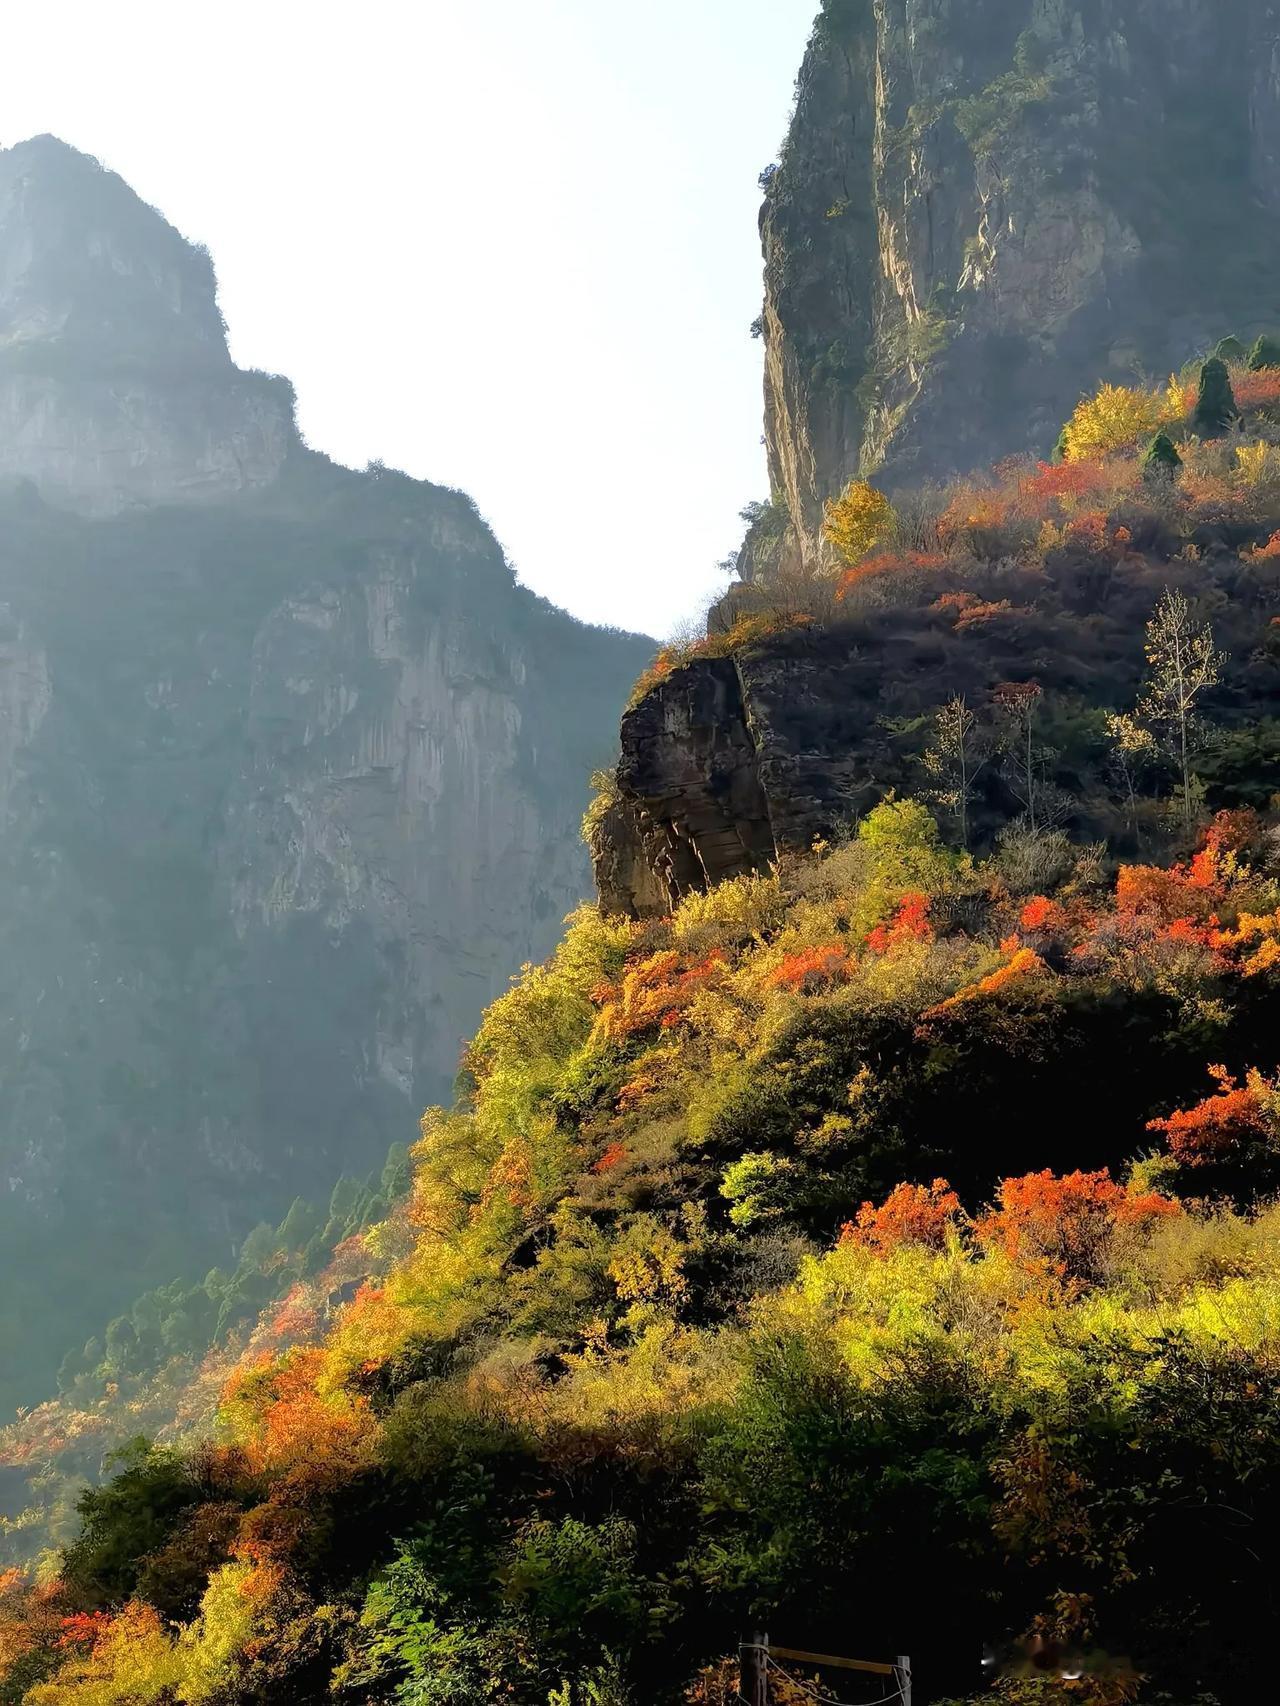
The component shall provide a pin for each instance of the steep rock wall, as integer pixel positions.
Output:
(291, 776)
(982, 209)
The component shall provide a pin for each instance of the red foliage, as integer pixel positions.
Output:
(654, 992)
(909, 924)
(1257, 390)
(1065, 483)
(1060, 1226)
(84, 1629)
(1265, 553)
(613, 1157)
(1091, 530)
(1230, 1120)
(1164, 896)
(912, 1214)
(1042, 914)
(888, 563)
(1023, 963)
(814, 968)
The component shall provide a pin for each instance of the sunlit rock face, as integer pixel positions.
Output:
(291, 775)
(983, 209)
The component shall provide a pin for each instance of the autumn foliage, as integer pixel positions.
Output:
(911, 1214)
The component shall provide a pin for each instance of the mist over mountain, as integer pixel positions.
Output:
(858, 1240)
(290, 770)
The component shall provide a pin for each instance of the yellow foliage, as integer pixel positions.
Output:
(1256, 463)
(1116, 417)
(135, 1663)
(859, 520)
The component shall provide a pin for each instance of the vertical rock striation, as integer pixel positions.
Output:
(291, 774)
(983, 208)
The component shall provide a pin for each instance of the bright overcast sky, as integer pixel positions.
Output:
(508, 245)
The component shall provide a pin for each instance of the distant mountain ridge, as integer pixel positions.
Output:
(291, 774)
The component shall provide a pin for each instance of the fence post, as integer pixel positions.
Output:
(904, 1678)
(753, 1671)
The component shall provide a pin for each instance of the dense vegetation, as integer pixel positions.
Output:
(884, 1249)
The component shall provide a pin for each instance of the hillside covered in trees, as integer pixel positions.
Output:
(878, 1243)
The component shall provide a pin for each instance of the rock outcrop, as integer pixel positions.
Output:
(291, 774)
(983, 209)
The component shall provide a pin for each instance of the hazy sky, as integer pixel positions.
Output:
(509, 245)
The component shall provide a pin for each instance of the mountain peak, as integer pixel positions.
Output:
(87, 266)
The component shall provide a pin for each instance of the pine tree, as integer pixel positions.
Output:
(1265, 353)
(1216, 404)
(1161, 460)
(1230, 349)
(1062, 446)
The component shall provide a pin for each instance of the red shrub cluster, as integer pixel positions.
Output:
(912, 1214)
(654, 992)
(814, 968)
(1223, 1124)
(888, 563)
(909, 924)
(84, 1629)
(1060, 1225)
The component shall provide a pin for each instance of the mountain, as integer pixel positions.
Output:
(980, 208)
(291, 774)
(860, 1236)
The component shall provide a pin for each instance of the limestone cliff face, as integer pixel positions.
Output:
(116, 387)
(291, 774)
(984, 208)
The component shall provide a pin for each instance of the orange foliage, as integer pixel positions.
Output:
(510, 1177)
(84, 1629)
(1060, 1225)
(1264, 553)
(613, 1157)
(282, 1422)
(912, 1214)
(1042, 914)
(297, 1315)
(1090, 531)
(1024, 963)
(1229, 1120)
(654, 992)
(887, 563)
(909, 924)
(973, 511)
(814, 968)
(1259, 390)
(1164, 895)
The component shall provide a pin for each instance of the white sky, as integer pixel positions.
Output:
(509, 245)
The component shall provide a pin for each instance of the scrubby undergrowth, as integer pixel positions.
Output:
(880, 1249)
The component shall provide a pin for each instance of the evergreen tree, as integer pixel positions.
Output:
(1161, 461)
(1230, 349)
(1216, 404)
(1063, 445)
(1265, 353)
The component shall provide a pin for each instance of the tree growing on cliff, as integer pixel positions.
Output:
(1183, 664)
(1161, 461)
(1114, 417)
(857, 521)
(956, 759)
(1027, 757)
(1216, 402)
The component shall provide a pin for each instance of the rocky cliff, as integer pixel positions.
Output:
(290, 772)
(983, 208)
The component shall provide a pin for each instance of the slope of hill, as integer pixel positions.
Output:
(877, 1243)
